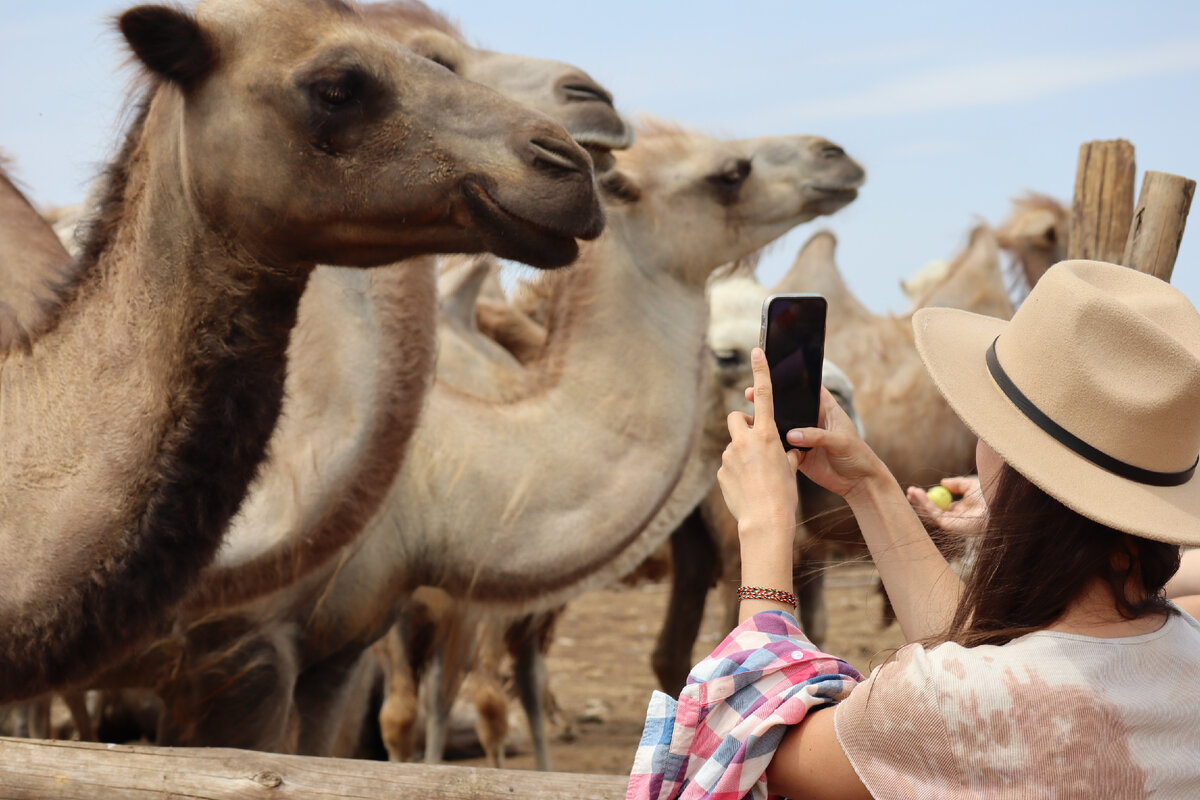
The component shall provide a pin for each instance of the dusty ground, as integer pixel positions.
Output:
(600, 662)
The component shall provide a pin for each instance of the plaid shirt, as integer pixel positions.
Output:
(716, 741)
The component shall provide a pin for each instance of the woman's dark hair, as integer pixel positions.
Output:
(1036, 556)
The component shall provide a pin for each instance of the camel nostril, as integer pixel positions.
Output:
(561, 155)
(832, 151)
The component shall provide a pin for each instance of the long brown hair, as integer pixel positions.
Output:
(1036, 556)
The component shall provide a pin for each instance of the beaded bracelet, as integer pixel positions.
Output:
(759, 593)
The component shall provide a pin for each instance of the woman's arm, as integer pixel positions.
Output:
(811, 763)
(758, 480)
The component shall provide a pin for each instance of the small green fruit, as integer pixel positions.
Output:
(940, 496)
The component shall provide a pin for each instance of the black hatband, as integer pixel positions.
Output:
(1100, 459)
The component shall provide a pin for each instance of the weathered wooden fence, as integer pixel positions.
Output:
(37, 770)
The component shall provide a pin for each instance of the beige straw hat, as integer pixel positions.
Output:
(1092, 392)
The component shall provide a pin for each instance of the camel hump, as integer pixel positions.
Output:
(814, 269)
(459, 287)
(973, 280)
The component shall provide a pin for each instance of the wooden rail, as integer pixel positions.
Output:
(32, 769)
(1106, 226)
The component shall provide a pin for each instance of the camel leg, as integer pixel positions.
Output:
(76, 701)
(693, 564)
(37, 715)
(488, 696)
(453, 653)
(398, 714)
(527, 640)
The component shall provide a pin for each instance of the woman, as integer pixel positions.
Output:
(1057, 669)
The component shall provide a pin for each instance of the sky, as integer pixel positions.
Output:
(954, 108)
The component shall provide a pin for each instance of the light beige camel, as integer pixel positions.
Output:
(491, 373)
(134, 422)
(538, 530)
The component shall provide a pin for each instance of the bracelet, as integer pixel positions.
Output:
(760, 593)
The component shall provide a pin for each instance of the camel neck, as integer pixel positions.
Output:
(560, 482)
(154, 395)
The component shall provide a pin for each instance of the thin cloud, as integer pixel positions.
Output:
(1003, 82)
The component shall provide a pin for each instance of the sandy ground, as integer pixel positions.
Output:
(600, 665)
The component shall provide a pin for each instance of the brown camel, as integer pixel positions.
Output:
(155, 384)
(359, 362)
(346, 420)
(680, 205)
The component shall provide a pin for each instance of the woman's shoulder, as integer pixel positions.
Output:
(1055, 658)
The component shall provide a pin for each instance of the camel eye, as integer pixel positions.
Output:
(443, 61)
(731, 176)
(337, 91)
(727, 359)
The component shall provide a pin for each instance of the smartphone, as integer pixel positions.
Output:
(793, 337)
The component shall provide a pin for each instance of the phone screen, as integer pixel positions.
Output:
(794, 341)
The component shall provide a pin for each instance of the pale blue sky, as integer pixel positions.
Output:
(953, 107)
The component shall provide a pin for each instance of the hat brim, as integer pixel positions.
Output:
(953, 344)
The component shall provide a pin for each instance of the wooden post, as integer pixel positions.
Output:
(1157, 229)
(1103, 203)
(88, 771)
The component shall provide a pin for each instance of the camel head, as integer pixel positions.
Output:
(1035, 234)
(697, 202)
(563, 92)
(302, 126)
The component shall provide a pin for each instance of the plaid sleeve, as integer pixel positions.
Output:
(716, 740)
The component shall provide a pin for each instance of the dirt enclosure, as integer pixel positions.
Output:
(600, 665)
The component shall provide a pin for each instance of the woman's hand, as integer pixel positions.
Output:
(839, 460)
(968, 515)
(757, 477)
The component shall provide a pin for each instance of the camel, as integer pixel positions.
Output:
(341, 436)
(537, 533)
(903, 416)
(346, 420)
(1035, 233)
(156, 380)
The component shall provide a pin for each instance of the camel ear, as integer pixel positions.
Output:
(619, 186)
(169, 42)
